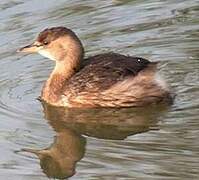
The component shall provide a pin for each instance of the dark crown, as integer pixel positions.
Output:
(51, 34)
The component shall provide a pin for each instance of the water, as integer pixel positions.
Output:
(37, 141)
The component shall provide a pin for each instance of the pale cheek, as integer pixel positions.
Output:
(46, 54)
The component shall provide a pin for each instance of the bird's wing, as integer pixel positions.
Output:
(98, 73)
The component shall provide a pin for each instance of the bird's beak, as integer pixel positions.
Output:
(32, 48)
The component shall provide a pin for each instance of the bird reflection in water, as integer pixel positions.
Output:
(59, 160)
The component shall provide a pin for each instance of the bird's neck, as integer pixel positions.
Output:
(63, 71)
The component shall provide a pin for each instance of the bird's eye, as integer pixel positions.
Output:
(45, 42)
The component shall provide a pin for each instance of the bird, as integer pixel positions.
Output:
(110, 80)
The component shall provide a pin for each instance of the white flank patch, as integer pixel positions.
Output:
(46, 54)
(160, 81)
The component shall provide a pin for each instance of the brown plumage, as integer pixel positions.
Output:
(104, 80)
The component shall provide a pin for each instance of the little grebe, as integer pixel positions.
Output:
(104, 80)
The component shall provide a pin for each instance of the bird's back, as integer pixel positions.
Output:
(100, 72)
(110, 80)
